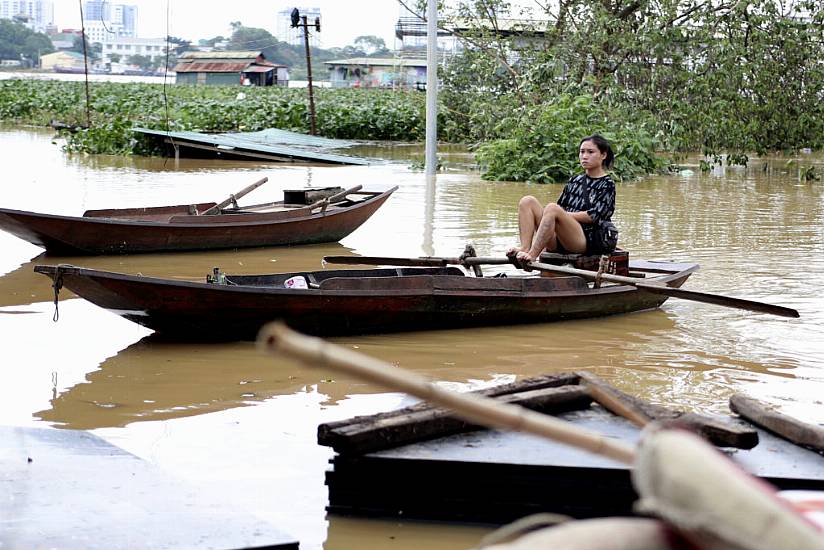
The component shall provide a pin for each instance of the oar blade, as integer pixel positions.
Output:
(719, 300)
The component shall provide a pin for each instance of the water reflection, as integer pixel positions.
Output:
(155, 380)
(23, 286)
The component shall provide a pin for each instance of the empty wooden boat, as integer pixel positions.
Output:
(303, 217)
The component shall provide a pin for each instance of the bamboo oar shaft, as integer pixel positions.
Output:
(239, 194)
(277, 338)
(426, 261)
(336, 196)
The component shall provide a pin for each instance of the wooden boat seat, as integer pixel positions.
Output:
(618, 263)
(455, 283)
(241, 217)
(149, 213)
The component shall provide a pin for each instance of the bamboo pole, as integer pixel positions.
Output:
(276, 338)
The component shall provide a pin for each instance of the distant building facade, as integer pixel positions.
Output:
(38, 15)
(126, 46)
(229, 67)
(104, 20)
(294, 36)
(377, 72)
(64, 40)
(62, 60)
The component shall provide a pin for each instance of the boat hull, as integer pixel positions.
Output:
(72, 235)
(350, 301)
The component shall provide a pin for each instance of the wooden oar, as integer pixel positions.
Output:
(657, 288)
(277, 337)
(328, 200)
(233, 198)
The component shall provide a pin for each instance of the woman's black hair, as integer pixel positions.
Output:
(603, 146)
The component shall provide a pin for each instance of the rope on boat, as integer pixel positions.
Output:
(57, 285)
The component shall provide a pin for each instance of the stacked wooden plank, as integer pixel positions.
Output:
(422, 463)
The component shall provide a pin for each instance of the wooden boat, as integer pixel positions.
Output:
(295, 220)
(357, 301)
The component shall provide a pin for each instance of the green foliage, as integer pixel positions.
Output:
(808, 173)
(92, 50)
(546, 149)
(19, 42)
(115, 107)
(713, 77)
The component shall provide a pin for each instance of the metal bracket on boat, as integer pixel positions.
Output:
(603, 263)
(57, 285)
(217, 277)
(469, 252)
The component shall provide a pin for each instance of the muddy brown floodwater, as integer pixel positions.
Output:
(243, 425)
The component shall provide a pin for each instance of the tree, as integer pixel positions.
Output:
(92, 51)
(145, 62)
(709, 76)
(371, 45)
(21, 43)
(180, 45)
(211, 42)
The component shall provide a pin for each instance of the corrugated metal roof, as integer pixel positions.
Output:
(258, 69)
(236, 54)
(280, 143)
(380, 61)
(200, 67)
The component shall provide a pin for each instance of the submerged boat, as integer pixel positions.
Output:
(358, 301)
(304, 217)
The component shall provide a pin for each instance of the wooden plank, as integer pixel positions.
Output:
(526, 384)
(722, 432)
(417, 426)
(328, 432)
(801, 433)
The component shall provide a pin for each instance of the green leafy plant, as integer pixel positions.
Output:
(544, 144)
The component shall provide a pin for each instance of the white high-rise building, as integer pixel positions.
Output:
(294, 36)
(35, 14)
(105, 21)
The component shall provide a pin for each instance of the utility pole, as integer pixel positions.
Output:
(85, 64)
(431, 158)
(299, 20)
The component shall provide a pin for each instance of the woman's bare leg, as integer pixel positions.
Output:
(556, 225)
(529, 219)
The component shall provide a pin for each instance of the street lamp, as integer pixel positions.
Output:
(299, 20)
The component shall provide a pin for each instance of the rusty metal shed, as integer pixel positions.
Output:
(229, 68)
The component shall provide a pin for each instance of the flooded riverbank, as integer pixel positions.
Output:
(242, 425)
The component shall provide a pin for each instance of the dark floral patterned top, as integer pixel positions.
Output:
(596, 196)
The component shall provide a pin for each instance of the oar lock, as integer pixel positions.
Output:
(216, 277)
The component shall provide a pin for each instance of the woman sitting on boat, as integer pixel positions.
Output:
(579, 223)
